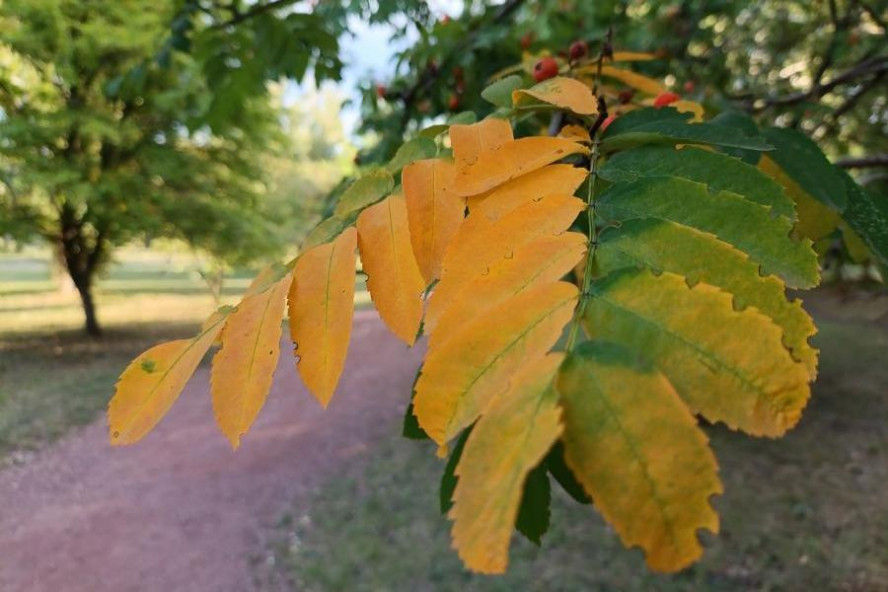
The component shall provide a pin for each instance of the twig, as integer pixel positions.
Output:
(239, 17)
(877, 160)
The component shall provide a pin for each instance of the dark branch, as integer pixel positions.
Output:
(253, 12)
(430, 76)
(867, 67)
(877, 160)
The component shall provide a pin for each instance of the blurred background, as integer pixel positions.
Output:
(154, 155)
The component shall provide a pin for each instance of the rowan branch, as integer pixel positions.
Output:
(877, 160)
(258, 9)
(867, 67)
(430, 76)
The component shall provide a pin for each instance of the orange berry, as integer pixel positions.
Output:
(544, 69)
(666, 98)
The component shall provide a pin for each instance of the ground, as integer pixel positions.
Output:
(333, 500)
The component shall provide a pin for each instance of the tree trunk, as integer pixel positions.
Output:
(84, 288)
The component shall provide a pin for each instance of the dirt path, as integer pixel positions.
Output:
(180, 511)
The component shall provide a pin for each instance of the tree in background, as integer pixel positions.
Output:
(101, 143)
(316, 158)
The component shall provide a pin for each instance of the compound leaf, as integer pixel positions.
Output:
(321, 305)
(480, 244)
(637, 451)
(566, 93)
(393, 277)
(460, 377)
(730, 366)
(511, 160)
(734, 219)
(243, 369)
(434, 212)
(699, 257)
(513, 435)
(153, 381)
(716, 171)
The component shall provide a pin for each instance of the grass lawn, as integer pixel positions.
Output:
(808, 512)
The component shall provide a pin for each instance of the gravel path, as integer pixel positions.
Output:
(180, 511)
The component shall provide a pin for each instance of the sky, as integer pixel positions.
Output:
(369, 52)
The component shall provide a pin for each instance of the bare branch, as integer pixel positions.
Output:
(867, 67)
(877, 160)
(253, 12)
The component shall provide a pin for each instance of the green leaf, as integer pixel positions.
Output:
(716, 171)
(867, 215)
(746, 125)
(558, 469)
(668, 126)
(500, 92)
(365, 192)
(731, 217)
(328, 229)
(411, 429)
(700, 257)
(803, 161)
(533, 513)
(419, 148)
(639, 453)
(729, 365)
(461, 118)
(449, 479)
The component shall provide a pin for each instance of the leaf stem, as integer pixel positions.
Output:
(593, 244)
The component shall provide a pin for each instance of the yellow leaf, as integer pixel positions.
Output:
(728, 365)
(434, 212)
(393, 277)
(511, 438)
(560, 179)
(566, 93)
(690, 107)
(577, 133)
(460, 378)
(638, 453)
(543, 260)
(243, 369)
(816, 220)
(634, 80)
(480, 244)
(633, 56)
(152, 382)
(322, 303)
(469, 141)
(511, 160)
(266, 278)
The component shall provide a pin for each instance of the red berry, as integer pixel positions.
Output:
(380, 91)
(608, 120)
(666, 98)
(544, 69)
(578, 49)
(453, 103)
(689, 86)
(526, 40)
(626, 96)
